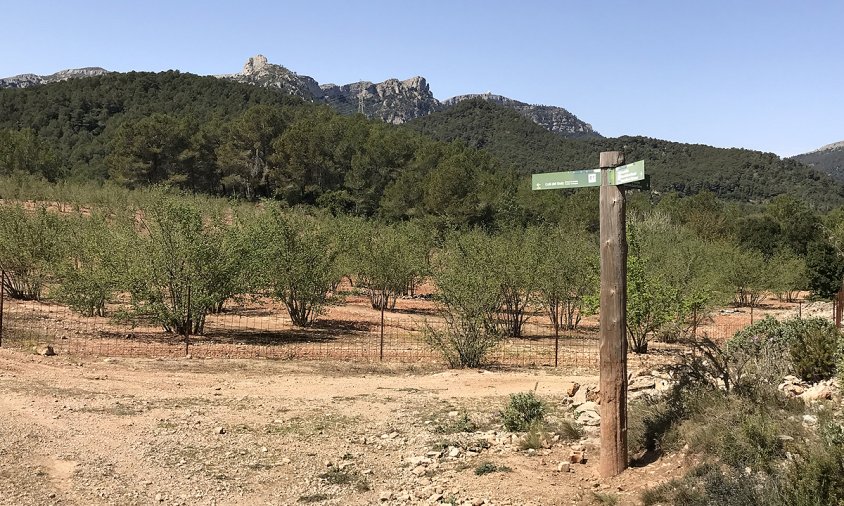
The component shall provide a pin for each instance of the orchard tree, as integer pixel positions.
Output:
(94, 262)
(469, 299)
(30, 249)
(296, 258)
(568, 277)
(673, 280)
(788, 275)
(650, 301)
(517, 265)
(747, 272)
(389, 260)
(177, 270)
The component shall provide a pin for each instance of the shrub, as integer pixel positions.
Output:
(816, 477)
(536, 437)
(741, 431)
(569, 430)
(469, 298)
(766, 350)
(709, 484)
(522, 411)
(652, 423)
(761, 350)
(814, 348)
(488, 467)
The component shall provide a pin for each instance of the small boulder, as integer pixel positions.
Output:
(577, 457)
(45, 350)
(816, 393)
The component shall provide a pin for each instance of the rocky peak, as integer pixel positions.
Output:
(255, 65)
(830, 147)
(260, 72)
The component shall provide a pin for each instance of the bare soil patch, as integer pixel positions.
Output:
(142, 431)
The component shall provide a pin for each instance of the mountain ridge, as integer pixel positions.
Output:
(393, 101)
(29, 80)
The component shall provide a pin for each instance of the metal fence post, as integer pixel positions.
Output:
(2, 297)
(188, 325)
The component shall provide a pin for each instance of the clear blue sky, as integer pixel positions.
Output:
(765, 75)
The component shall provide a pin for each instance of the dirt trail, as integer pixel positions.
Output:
(133, 431)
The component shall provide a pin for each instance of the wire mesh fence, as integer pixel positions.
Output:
(260, 328)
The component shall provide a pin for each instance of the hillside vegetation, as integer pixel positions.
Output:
(736, 174)
(469, 165)
(829, 160)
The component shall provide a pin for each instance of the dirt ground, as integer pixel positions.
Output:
(216, 432)
(135, 431)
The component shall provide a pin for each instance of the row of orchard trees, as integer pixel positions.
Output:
(175, 259)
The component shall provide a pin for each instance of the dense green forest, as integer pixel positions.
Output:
(468, 165)
(737, 174)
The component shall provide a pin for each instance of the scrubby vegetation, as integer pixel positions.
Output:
(756, 445)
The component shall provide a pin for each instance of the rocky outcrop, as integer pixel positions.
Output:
(552, 118)
(260, 72)
(27, 80)
(392, 101)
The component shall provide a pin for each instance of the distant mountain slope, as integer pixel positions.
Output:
(28, 80)
(737, 174)
(828, 159)
(554, 119)
(392, 101)
(79, 117)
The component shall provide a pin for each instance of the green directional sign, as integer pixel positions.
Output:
(570, 179)
(624, 174)
(627, 173)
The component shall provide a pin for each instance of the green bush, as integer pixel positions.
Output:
(816, 476)
(814, 348)
(709, 484)
(488, 467)
(523, 410)
(760, 352)
(769, 349)
(30, 248)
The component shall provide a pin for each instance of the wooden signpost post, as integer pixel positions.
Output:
(613, 341)
(613, 344)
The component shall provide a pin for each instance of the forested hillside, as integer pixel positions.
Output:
(737, 174)
(233, 139)
(828, 159)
